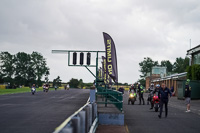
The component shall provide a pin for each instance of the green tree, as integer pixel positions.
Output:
(74, 83)
(146, 66)
(24, 70)
(81, 84)
(6, 66)
(168, 64)
(193, 72)
(39, 65)
(57, 81)
(180, 65)
(47, 76)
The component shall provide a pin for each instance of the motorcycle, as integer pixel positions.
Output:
(156, 102)
(132, 98)
(150, 96)
(47, 89)
(33, 90)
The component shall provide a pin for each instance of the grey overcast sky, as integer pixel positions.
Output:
(159, 29)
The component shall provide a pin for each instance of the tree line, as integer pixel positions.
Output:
(23, 68)
(75, 83)
(179, 66)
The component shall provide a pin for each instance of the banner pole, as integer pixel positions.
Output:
(97, 68)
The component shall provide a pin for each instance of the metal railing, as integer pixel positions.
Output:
(84, 120)
(110, 96)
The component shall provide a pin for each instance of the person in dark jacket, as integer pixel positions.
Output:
(163, 95)
(187, 95)
(141, 91)
(121, 89)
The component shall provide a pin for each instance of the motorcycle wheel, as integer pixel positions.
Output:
(156, 108)
(133, 103)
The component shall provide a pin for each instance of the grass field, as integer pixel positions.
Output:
(19, 90)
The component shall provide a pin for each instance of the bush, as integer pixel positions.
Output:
(189, 72)
(193, 72)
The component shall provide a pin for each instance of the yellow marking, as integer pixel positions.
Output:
(127, 129)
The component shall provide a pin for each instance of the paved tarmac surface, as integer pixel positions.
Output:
(139, 119)
(39, 113)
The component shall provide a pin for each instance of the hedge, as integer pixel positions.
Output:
(193, 72)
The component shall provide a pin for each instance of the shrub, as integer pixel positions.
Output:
(193, 72)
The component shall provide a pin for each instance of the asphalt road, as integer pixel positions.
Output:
(139, 119)
(39, 113)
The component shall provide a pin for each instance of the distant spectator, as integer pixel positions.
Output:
(187, 94)
(68, 87)
(172, 89)
(55, 87)
(121, 89)
(65, 87)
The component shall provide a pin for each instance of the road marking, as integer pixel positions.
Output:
(127, 129)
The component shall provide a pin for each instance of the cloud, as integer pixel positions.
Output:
(157, 29)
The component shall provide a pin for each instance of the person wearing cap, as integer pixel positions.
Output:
(141, 91)
(187, 95)
(163, 95)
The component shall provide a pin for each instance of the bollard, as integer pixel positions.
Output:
(86, 109)
(82, 116)
(94, 111)
(76, 124)
(90, 115)
(67, 130)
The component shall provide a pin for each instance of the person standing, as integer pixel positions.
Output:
(141, 91)
(55, 87)
(68, 87)
(187, 95)
(163, 95)
(121, 89)
(65, 87)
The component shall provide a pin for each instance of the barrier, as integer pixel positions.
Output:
(84, 120)
(2, 86)
(111, 97)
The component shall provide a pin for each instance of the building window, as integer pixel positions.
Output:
(197, 58)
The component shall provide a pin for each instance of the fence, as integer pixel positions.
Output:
(84, 120)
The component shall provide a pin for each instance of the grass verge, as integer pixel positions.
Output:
(19, 90)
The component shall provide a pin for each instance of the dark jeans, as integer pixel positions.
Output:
(141, 97)
(152, 104)
(165, 101)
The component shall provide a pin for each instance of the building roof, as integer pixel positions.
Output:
(193, 50)
(173, 76)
